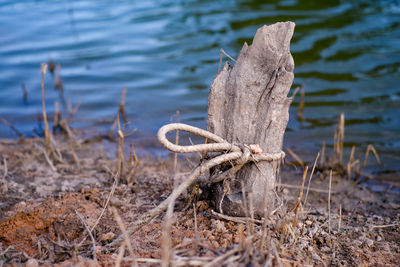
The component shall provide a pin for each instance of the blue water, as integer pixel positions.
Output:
(166, 53)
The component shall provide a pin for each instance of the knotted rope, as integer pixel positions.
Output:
(240, 154)
(246, 153)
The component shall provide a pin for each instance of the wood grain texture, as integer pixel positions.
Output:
(248, 104)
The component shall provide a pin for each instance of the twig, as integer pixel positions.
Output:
(309, 179)
(58, 83)
(46, 157)
(120, 255)
(46, 124)
(298, 202)
(226, 54)
(122, 103)
(296, 157)
(311, 188)
(220, 59)
(90, 234)
(322, 159)
(25, 93)
(20, 135)
(329, 202)
(371, 148)
(105, 205)
(219, 259)
(340, 217)
(277, 257)
(300, 109)
(124, 234)
(243, 220)
(133, 164)
(166, 238)
(5, 168)
(384, 226)
(196, 232)
(120, 150)
(57, 116)
(72, 110)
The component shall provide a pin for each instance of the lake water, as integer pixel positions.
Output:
(166, 53)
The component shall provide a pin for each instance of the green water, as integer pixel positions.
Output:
(166, 53)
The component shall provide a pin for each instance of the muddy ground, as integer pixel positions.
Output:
(45, 204)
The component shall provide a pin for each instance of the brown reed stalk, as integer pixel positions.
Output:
(296, 157)
(43, 70)
(298, 202)
(121, 158)
(309, 179)
(322, 158)
(372, 149)
(350, 162)
(57, 116)
(340, 217)
(338, 141)
(58, 83)
(300, 109)
(133, 164)
(177, 143)
(24, 92)
(7, 123)
(329, 202)
(166, 252)
(122, 227)
(72, 110)
(122, 103)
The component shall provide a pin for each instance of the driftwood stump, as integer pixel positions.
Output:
(248, 104)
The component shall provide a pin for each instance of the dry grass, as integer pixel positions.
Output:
(336, 223)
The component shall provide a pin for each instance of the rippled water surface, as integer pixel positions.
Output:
(166, 53)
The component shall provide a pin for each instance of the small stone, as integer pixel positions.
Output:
(325, 249)
(378, 238)
(107, 237)
(285, 191)
(308, 222)
(369, 243)
(32, 263)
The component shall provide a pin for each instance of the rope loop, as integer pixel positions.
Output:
(247, 153)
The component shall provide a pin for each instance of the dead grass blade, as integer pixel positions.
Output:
(125, 235)
(298, 202)
(329, 202)
(43, 70)
(296, 157)
(90, 234)
(309, 179)
(300, 109)
(372, 149)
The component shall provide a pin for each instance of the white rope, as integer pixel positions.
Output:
(234, 153)
(219, 145)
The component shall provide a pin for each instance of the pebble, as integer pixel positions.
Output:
(378, 238)
(285, 191)
(32, 263)
(308, 222)
(369, 243)
(107, 237)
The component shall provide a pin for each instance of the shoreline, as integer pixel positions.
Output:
(40, 200)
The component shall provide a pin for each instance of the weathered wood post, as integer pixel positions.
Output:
(248, 104)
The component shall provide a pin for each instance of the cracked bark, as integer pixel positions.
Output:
(248, 104)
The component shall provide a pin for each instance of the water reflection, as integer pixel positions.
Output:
(347, 54)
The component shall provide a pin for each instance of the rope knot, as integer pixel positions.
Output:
(241, 153)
